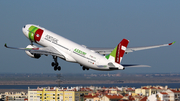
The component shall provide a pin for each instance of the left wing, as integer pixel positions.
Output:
(40, 50)
(109, 50)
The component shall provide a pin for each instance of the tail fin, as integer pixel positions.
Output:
(118, 52)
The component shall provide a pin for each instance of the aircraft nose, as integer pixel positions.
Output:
(25, 31)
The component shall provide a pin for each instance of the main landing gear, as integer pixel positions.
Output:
(84, 68)
(55, 64)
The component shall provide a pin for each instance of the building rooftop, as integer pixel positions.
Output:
(154, 87)
(60, 89)
(144, 99)
(91, 96)
(114, 96)
(164, 93)
(175, 91)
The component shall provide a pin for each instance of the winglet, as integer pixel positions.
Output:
(172, 43)
(5, 45)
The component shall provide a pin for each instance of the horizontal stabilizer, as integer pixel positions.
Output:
(133, 65)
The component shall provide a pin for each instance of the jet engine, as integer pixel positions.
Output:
(32, 55)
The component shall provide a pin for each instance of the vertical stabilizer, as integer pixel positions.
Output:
(118, 52)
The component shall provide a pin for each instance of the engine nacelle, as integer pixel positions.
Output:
(36, 56)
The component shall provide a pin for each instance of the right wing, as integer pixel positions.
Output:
(146, 47)
(40, 50)
(134, 65)
(109, 50)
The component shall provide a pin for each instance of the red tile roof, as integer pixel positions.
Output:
(153, 88)
(130, 89)
(149, 88)
(91, 96)
(114, 96)
(131, 98)
(175, 91)
(145, 88)
(126, 94)
(164, 93)
(144, 98)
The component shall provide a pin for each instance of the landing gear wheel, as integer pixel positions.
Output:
(55, 68)
(84, 68)
(52, 64)
(59, 68)
(55, 64)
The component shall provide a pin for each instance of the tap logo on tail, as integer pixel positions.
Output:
(117, 54)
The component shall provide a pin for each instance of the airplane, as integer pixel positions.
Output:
(103, 59)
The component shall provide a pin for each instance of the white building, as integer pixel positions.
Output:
(160, 96)
(174, 94)
(167, 95)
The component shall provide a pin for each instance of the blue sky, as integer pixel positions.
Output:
(94, 23)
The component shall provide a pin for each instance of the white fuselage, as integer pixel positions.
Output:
(72, 51)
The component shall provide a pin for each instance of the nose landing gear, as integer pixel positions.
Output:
(55, 64)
